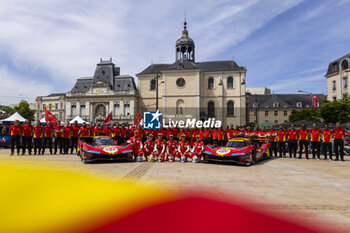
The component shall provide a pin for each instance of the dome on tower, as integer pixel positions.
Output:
(185, 46)
(185, 40)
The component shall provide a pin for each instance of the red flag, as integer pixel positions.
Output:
(138, 119)
(314, 101)
(50, 117)
(108, 118)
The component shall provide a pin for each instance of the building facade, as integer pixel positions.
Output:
(93, 98)
(276, 108)
(338, 78)
(191, 89)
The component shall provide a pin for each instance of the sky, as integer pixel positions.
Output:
(285, 45)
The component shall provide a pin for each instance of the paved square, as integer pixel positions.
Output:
(317, 188)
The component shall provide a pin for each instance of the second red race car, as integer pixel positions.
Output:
(104, 148)
(239, 150)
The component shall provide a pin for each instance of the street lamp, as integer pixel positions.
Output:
(157, 85)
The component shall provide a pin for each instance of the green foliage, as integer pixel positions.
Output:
(312, 114)
(22, 108)
(7, 109)
(336, 111)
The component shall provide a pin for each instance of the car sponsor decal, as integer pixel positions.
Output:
(110, 149)
(223, 151)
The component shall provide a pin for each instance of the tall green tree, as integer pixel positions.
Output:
(312, 114)
(336, 111)
(24, 110)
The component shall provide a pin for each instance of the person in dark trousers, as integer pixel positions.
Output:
(327, 142)
(292, 136)
(339, 136)
(303, 141)
(281, 137)
(15, 132)
(67, 133)
(315, 134)
(38, 137)
(59, 137)
(272, 134)
(75, 134)
(48, 133)
(27, 137)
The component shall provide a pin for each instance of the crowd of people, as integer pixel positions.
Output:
(182, 141)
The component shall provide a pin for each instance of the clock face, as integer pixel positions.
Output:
(180, 82)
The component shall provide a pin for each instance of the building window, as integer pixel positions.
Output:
(255, 105)
(211, 83)
(211, 109)
(44, 106)
(299, 104)
(334, 67)
(82, 110)
(334, 85)
(152, 85)
(345, 65)
(345, 82)
(266, 113)
(230, 82)
(116, 109)
(275, 113)
(334, 98)
(285, 113)
(345, 95)
(50, 106)
(266, 106)
(230, 108)
(126, 109)
(180, 105)
(254, 113)
(275, 105)
(73, 110)
(276, 121)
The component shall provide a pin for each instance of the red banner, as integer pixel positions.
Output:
(314, 101)
(50, 117)
(138, 119)
(108, 118)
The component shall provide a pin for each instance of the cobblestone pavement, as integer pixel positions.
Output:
(317, 189)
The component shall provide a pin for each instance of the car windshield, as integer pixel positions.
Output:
(104, 141)
(236, 144)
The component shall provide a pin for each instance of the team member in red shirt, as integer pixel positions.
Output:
(84, 132)
(38, 137)
(207, 136)
(303, 141)
(222, 137)
(67, 133)
(15, 132)
(107, 130)
(74, 139)
(197, 149)
(91, 132)
(281, 138)
(339, 136)
(148, 147)
(136, 143)
(272, 135)
(327, 141)
(48, 133)
(315, 134)
(27, 137)
(262, 134)
(171, 149)
(97, 130)
(159, 147)
(117, 133)
(183, 148)
(292, 136)
(59, 137)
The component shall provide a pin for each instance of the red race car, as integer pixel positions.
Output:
(104, 148)
(239, 150)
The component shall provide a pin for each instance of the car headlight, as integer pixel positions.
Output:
(207, 152)
(245, 156)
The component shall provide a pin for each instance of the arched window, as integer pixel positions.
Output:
(275, 105)
(211, 83)
(180, 107)
(299, 104)
(230, 82)
(230, 108)
(345, 65)
(211, 109)
(152, 84)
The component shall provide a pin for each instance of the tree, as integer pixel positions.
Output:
(312, 114)
(24, 110)
(338, 110)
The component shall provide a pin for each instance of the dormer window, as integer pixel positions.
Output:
(275, 105)
(299, 104)
(266, 106)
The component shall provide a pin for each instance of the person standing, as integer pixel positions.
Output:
(15, 132)
(84, 133)
(27, 137)
(315, 134)
(303, 141)
(48, 133)
(38, 137)
(272, 134)
(117, 133)
(136, 143)
(74, 139)
(339, 136)
(327, 141)
(281, 138)
(67, 133)
(292, 136)
(59, 137)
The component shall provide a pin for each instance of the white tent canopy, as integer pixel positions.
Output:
(43, 120)
(15, 116)
(78, 119)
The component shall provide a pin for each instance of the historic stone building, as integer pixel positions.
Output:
(191, 89)
(276, 108)
(93, 98)
(338, 78)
